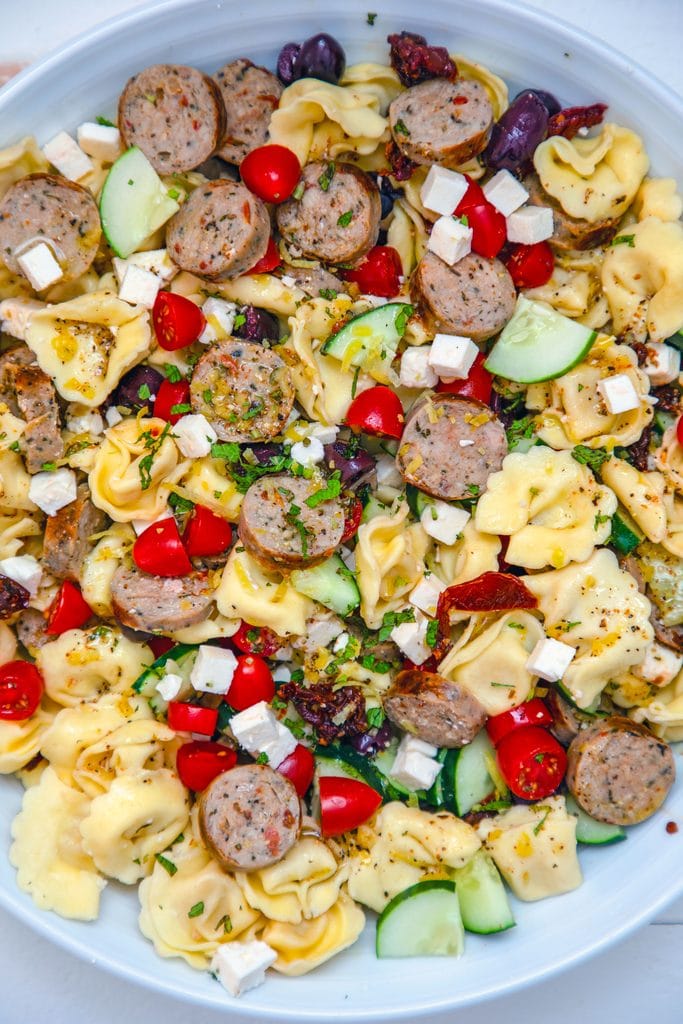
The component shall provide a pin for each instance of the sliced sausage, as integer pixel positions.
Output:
(13, 597)
(249, 817)
(10, 361)
(244, 390)
(434, 709)
(36, 399)
(279, 529)
(159, 604)
(314, 280)
(670, 636)
(570, 232)
(431, 454)
(31, 630)
(64, 214)
(442, 122)
(566, 724)
(337, 218)
(221, 231)
(175, 115)
(68, 533)
(619, 772)
(250, 94)
(475, 297)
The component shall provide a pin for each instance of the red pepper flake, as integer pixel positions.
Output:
(196, 125)
(568, 121)
(246, 211)
(415, 61)
(401, 167)
(490, 592)
(671, 828)
(184, 102)
(460, 100)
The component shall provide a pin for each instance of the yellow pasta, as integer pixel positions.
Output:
(390, 561)
(248, 592)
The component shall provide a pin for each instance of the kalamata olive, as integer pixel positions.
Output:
(258, 325)
(547, 99)
(516, 135)
(387, 194)
(140, 378)
(285, 62)
(372, 741)
(320, 57)
(263, 453)
(351, 466)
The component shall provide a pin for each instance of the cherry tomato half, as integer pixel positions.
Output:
(473, 197)
(477, 383)
(177, 321)
(192, 718)
(531, 266)
(172, 396)
(256, 640)
(298, 768)
(159, 550)
(199, 762)
(532, 762)
(69, 610)
(269, 261)
(251, 683)
(354, 512)
(21, 687)
(345, 804)
(532, 712)
(377, 411)
(271, 172)
(379, 273)
(489, 230)
(206, 533)
(679, 431)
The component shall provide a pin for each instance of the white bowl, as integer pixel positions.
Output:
(625, 885)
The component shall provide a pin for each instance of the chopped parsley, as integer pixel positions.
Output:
(166, 864)
(14, 447)
(328, 293)
(181, 506)
(181, 409)
(354, 382)
(299, 191)
(240, 321)
(49, 467)
(296, 727)
(172, 372)
(373, 664)
(345, 219)
(400, 128)
(592, 457)
(298, 676)
(629, 240)
(254, 409)
(332, 489)
(375, 717)
(262, 758)
(521, 428)
(516, 625)
(492, 805)
(371, 17)
(207, 395)
(402, 317)
(293, 518)
(600, 519)
(464, 220)
(225, 923)
(474, 490)
(325, 179)
(537, 828)
(243, 472)
(393, 619)
(432, 634)
(153, 445)
(196, 910)
(104, 121)
(278, 704)
(144, 392)
(570, 625)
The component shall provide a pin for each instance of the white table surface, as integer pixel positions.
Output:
(638, 981)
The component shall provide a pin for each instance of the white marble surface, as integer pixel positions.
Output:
(636, 982)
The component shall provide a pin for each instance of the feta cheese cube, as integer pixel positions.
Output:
(156, 261)
(241, 966)
(40, 267)
(442, 190)
(451, 356)
(24, 570)
(220, 320)
(410, 638)
(340, 643)
(416, 371)
(281, 747)
(52, 491)
(194, 435)
(308, 452)
(321, 631)
(102, 141)
(663, 363)
(139, 287)
(660, 665)
(140, 525)
(324, 433)
(444, 522)
(66, 155)
(255, 727)
(413, 765)
(425, 595)
(550, 659)
(387, 473)
(450, 240)
(213, 669)
(505, 192)
(619, 393)
(15, 315)
(169, 686)
(415, 745)
(113, 416)
(84, 421)
(530, 224)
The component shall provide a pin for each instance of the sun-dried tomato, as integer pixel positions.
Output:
(13, 597)
(401, 167)
(568, 121)
(414, 60)
(640, 450)
(668, 397)
(490, 592)
(641, 352)
(332, 713)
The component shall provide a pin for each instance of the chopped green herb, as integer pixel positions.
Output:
(570, 625)
(473, 490)
(375, 717)
(400, 128)
(78, 446)
(104, 121)
(262, 758)
(144, 392)
(345, 219)
(181, 409)
(328, 293)
(172, 372)
(402, 317)
(153, 445)
(299, 191)
(332, 489)
(207, 395)
(325, 179)
(516, 625)
(296, 727)
(196, 910)
(244, 473)
(278, 704)
(432, 634)
(371, 16)
(600, 519)
(522, 428)
(240, 321)
(539, 758)
(393, 619)
(503, 686)
(292, 517)
(492, 805)
(464, 220)
(225, 923)
(629, 240)
(537, 828)
(166, 864)
(173, 193)
(533, 492)
(14, 447)
(49, 467)
(181, 506)
(373, 664)
(298, 675)
(592, 457)
(254, 409)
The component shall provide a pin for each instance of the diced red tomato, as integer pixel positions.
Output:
(354, 512)
(269, 261)
(199, 762)
(477, 384)
(271, 172)
(69, 610)
(206, 533)
(21, 687)
(430, 665)
(679, 431)
(379, 273)
(531, 266)
(251, 683)
(172, 395)
(345, 804)
(489, 230)
(256, 640)
(473, 197)
(377, 411)
(160, 551)
(177, 321)
(298, 768)
(532, 762)
(192, 718)
(532, 712)
(490, 592)
(159, 645)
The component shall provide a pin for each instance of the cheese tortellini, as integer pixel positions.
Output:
(207, 483)
(76, 728)
(302, 947)
(575, 288)
(658, 197)
(249, 592)
(389, 562)
(84, 664)
(664, 714)
(474, 553)
(641, 494)
(100, 564)
(20, 741)
(669, 459)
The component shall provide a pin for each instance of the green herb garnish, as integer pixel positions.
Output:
(393, 619)
(328, 293)
(432, 634)
(325, 179)
(375, 717)
(196, 910)
(104, 121)
(629, 240)
(332, 489)
(345, 219)
(592, 457)
(370, 17)
(262, 758)
(166, 864)
(172, 372)
(400, 128)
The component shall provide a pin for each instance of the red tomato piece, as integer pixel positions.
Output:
(473, 197)
(490, 592)
(532, 712)
(679, 431)
(251, 683)
(206, 533)
(477, 384)
(21, 687)
(256, 640)
(532, 762)
(199, 762)
(379, 273)
(177, 321)
(172, 396)
(354, 511)
(531, 266)
(430, 665)
(298, 768)
(269, 261)
(271, 172)
(489, 230)
(69, 610)
(377, 411)
(345, 804)
(159, 645)
(159, 550)
(192, 718)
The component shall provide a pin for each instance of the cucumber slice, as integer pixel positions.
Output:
(183, 656)
(134, 202)
(371, 339)
(483, 900)
(663, 420)
(625, 535)
(538, 344)
(417, 500)
(591, 832)
(471, 775)
(331, 583)
(373, 508)
(435, 796)
(345, 763)
(423, 920)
